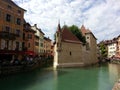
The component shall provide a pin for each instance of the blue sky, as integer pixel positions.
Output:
(102, 17)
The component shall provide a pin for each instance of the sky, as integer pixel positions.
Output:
(102, 17)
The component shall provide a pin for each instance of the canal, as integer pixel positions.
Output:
(89, 78)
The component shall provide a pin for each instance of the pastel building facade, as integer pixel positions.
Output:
(47, 46)
(118, 46)
(11, 25)
(39, 40)
(11, 29)
(112, 48)
(28, 39)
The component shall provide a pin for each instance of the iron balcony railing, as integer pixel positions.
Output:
(7, 35)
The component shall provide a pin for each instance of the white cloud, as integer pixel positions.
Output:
(101, 16)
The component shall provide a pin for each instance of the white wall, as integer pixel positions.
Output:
(112, 49)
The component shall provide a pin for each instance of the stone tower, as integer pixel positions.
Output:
(57, 47)
(91, 44)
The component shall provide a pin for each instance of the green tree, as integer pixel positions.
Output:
(103, 50)
(77, 32)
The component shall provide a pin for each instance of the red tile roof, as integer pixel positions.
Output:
(107, 42)
(67, 36)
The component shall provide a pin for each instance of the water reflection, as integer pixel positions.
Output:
(18, 82)
(92, 78)
(77, 79)
(114, 72)
(104, 83)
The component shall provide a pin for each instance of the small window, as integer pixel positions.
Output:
(41, 44)
(17, 45)
(87, 37)
(9, 7)
(70, 53)
(7, 29)
(18, 32)
(29, 36)
(19, 11)
(18, 21)
(8, 17)
(23, 36)
(57, 44)
(36, 43)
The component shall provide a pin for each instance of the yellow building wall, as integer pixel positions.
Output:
(73, 55)
(36, 46)
(41, 42)
(70, 55)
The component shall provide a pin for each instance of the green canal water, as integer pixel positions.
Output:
(90, 78)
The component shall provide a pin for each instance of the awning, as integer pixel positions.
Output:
(32, 53)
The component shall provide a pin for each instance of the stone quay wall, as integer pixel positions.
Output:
(117, 85)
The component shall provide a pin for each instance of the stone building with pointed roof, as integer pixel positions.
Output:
(90, 51)
(69, 51)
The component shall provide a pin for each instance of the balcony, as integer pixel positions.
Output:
(7, 35)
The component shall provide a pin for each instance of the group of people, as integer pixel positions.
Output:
(23, 60)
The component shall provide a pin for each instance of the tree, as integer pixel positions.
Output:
(103, 50)
(77, 32)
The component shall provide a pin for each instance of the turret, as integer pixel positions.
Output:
(58, 37)
(57, 47)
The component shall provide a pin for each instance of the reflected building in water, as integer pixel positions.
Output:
(114, 71)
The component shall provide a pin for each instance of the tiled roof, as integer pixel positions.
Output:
(107, 42)
(12, 3)
(67, 36)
